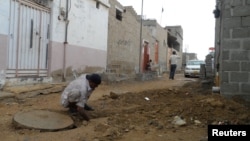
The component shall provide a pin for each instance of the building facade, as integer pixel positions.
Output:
(159, 46)
(45, 39)
(175, 42)
(123, 41)
(232, 47)
(40, 39)
(133, 41)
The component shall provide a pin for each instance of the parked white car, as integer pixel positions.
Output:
(192, 68)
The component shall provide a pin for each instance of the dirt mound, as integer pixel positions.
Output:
(195, 104)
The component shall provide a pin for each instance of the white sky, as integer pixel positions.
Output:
(195, 16)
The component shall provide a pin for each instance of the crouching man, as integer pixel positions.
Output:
(77, 93)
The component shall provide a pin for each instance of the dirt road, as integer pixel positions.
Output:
(130, 111)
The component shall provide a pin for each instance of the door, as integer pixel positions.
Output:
(156, 52)
(146, 53)
(29, 38)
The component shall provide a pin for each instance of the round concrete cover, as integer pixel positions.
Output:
(42, 120)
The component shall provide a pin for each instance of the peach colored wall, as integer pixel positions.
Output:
(3, 51)
(55, 56)
(77, 57)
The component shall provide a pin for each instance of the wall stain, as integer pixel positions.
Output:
(124, 42)
(79, 4)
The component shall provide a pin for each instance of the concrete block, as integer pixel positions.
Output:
(246, 44)
(240, 55)
(225, 55)
(227, 13)
(230, 66)
(246, 21)
(245, 88)
(241, 10)
(237, 2)
(224, 77)
(227, 4)
(232, 22)
(226, 33)
(239, 77)
(229, 88)
(231, 44)
(209, 68)
(245, 66)
(241, 33)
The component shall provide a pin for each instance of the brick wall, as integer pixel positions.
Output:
(233, 47)
(124, 41)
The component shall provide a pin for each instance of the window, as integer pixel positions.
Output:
(118, 14)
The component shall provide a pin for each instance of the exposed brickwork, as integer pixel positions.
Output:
(124, 42)
(233, 37)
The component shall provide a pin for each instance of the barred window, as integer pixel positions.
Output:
(118, 14)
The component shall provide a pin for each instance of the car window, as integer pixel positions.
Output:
(195, 62)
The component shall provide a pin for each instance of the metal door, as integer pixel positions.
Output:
(29, 38)
(156, 52)
(146, 53)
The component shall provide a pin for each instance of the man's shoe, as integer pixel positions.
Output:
(72, 112)
(88, 108)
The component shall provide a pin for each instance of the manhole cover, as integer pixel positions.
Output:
(43, 120)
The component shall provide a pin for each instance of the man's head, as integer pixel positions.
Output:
(94, 80)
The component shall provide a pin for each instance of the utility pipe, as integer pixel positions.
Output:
(65, 41)
(140, 48)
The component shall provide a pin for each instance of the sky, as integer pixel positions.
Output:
(194, 16)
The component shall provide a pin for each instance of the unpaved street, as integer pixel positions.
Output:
(128, 111)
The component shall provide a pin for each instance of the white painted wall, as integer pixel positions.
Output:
(88, 26)
(57, 26)
(4, 17)
(87, 35)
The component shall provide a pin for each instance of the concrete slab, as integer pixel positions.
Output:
(42, 120)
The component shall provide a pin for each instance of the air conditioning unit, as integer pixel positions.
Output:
(42, 2)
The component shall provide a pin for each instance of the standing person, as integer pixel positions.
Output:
(76, 94)
(173, 64)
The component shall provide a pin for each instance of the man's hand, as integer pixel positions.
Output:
(88, 108)
(83, 113)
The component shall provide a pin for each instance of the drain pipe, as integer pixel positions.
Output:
(65, 41)
(216, 88)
